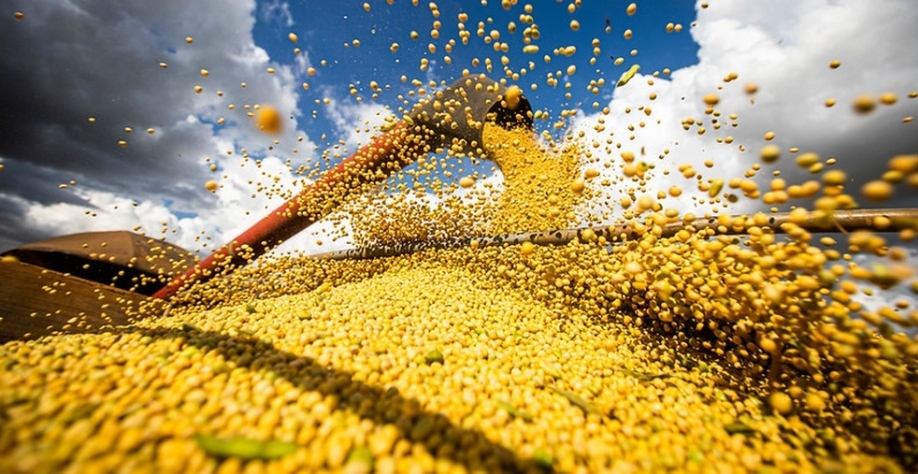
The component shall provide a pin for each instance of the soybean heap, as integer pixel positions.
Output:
(694, 352)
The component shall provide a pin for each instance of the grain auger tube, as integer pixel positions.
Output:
(453, 117)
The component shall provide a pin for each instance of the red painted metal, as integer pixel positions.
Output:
(373, 163)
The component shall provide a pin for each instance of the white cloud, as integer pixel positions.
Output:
(115, 77)
(276, 11)
(302, 64)
(232, 209)
(356, 122)
(785, 48)
(899, 298)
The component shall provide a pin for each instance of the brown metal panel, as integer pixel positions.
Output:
(35, 302)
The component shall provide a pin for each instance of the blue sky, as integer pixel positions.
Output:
(324, 29)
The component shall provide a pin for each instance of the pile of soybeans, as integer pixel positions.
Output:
(697, 352)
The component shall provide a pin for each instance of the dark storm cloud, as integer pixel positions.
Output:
(862, 151)
(11, 217)
(65, 66)
(67, 61)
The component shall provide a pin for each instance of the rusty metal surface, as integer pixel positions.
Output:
(841, 221)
